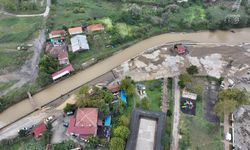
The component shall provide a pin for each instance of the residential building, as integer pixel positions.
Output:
(59, 52)
(180, 49)
(39, 129)
(75, 30)
(79, 43)
(67, 70)
(84, 124)
(56, 33)
(95, 27)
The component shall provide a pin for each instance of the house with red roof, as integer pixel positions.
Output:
(180, 49)
(56, 33)
(39, 129)
(75, 30)
(59, 52)
(95, 27)
(66, 70)
(85, 122)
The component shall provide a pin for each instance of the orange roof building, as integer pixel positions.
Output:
(84, 123)
(75, 30)
(95, 27)
(56, 33)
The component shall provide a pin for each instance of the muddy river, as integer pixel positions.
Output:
(55, 91)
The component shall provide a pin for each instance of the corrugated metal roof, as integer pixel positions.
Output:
(79, 42)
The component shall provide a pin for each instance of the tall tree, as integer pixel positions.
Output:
(121, 132)
(117, 143)
(225, 107)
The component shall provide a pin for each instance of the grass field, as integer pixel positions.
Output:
(18, 30)
(13, 32)
(10, 61)
(153, 90)
(197, 133)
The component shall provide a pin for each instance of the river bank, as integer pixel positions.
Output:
(61, 88)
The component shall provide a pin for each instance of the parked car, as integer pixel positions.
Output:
(70, 113)
(65, 124)
(49, 119)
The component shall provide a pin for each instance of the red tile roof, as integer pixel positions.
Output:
(39, 129)
(85, 122)
(75, 30)
(55, 50)
(180, 49)
(57, 32)
(95, 27)
(62, 72)
(63, 55)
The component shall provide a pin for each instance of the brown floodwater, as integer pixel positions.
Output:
(55, 91)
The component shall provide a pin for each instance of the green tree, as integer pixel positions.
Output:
(117, 143)
(198, 89)
(118, 107)
(92, 142)
(235, 94)
(48, 64)
(68, 144)
(229, 99)
(127, 84)
(121, 132)
(225, 107)
(145, 103)
(44, 78)
(185, 77)
(181, 84)
(69, 107)
(192, 70)
(123, 120)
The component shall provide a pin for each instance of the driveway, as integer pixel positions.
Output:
(175, 131)
(59, 131)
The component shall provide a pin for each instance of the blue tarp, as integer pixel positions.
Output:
(123, 96)
(107, 120)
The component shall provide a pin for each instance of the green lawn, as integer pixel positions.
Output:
(18, 30)
(153, 90)
(197, 133)
(13, 32)
(11, 61)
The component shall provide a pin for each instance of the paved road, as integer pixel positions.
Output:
(175, 131)
(55, 91)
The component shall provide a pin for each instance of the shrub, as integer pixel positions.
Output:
(121, 132)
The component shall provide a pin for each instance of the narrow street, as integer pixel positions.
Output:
(164, 102)
(175, 130)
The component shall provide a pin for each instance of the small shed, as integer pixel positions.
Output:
(75, 30)
(39, 129)
(67, 70)
(180, 49)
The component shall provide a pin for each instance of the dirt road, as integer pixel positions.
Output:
(29, 70)
(175, 130)
(45, 14)
(57, 90)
